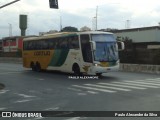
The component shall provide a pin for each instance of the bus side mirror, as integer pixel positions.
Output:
(93, 44)
(120, 46)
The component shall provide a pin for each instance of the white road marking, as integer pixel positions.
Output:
(22, 101)
(118, 86)
(3, 91)
(108, 87)
(56, 108)
(74, 89)
(97, 89)
(154, 79)
(74, 118)
(39, 118)
(150, 81)
(3, 108)
(133, 87)
(25, 96)
(135, 84)
(92, 92)
(82, 94)
(139, 82)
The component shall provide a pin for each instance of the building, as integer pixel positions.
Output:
(49, 32)
(12, 44)
(85, 28)
(142, 45)
(148, 36)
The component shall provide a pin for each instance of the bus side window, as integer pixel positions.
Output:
(51, 43)
(86, 48)
(30, 45)
(25, 45)
(70, 43)
(63, 43)
(73, 42)
(38, 46)
(45, 44)
(57, 43)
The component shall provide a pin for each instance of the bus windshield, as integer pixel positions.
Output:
(103, 37)
(106, 48)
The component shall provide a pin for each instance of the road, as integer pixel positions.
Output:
(26, 90)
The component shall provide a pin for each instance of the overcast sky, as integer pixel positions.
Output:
(78, 13)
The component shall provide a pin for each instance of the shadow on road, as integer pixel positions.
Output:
(2, 86)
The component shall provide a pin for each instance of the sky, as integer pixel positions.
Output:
(78, 13)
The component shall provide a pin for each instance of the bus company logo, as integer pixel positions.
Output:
(42, 53)
(6, 114)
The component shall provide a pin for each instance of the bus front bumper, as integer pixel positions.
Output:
(99, 69)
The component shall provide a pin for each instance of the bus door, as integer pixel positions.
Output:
(86, 48)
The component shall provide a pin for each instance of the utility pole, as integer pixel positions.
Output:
(9, 3)
(96, 18)
(10, 29)
(60, 23)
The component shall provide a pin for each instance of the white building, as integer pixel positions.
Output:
(144, 34)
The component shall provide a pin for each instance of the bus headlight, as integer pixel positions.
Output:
(95, 64)
(117, 63)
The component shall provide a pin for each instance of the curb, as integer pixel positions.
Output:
(155, 69)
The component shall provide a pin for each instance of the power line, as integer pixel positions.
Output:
(8, 4)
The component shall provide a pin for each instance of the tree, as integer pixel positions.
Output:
(85, 28)
(69, 29)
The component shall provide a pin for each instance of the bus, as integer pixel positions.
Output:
(72, 52)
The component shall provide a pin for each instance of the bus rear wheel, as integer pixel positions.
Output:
(99, 74)
(76, 69)
(33, 66)
(38, 67)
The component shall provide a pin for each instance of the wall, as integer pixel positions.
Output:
(141, 36)
(140, 68)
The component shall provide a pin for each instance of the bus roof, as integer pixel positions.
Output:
(63, 34)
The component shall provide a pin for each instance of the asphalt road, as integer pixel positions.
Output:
(52, 91)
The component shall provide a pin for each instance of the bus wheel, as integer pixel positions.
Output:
(33, 66)
(99, 74)
(38, 67)
(76, 69)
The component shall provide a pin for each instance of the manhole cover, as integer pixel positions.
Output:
(2, 86)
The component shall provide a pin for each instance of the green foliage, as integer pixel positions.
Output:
(69, 29)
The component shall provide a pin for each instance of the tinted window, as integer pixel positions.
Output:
(86, 48)
(70, 42)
